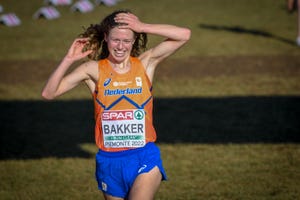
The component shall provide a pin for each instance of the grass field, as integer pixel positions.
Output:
(227, 106)
(219, 27)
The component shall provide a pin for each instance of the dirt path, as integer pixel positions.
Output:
(231, 66)
(31, 71)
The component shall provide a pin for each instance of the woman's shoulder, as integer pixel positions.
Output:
(145, 57)
(89, 67)
(91, 63)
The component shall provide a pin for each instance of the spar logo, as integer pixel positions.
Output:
(139, 114)
(118, 115)
(123, 115)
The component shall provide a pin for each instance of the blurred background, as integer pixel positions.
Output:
(227, 105)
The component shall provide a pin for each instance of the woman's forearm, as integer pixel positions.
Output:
(169, 31)
(52, 85)
(128, 20)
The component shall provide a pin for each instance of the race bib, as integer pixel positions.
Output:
(123, 128)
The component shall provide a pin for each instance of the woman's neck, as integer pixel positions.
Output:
(121, 67)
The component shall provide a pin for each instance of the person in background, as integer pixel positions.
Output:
(119, 75)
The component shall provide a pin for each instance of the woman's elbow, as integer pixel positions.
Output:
(46, 95)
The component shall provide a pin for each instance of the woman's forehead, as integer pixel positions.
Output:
(123, 33)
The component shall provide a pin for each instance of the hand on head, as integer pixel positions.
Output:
(129, 20)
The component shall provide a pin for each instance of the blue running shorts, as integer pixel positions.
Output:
(117, 171)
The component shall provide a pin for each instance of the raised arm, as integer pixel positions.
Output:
(175, 38)
(58, 83)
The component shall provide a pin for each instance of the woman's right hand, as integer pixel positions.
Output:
(76, 50)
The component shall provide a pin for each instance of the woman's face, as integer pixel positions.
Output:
(119, 43)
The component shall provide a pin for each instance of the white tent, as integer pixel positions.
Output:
(82, 6)
(48, 12)
(106, 2)
(58, 2)
(10, 19)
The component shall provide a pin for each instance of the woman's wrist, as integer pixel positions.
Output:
(144, 28)
(67, 60)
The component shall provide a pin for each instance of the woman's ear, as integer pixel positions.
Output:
(105, 37)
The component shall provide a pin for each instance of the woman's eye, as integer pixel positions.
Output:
(123, 41)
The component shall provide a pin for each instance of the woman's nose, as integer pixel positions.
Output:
(120, 45)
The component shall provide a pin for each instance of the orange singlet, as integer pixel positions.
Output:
(123, 108)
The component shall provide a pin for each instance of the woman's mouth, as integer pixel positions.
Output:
(119, 53)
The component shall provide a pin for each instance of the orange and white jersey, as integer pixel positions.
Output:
(123, 108)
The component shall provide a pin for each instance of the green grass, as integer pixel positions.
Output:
(220, 86)
(226, 104)
(228, 86)
(219, 148)
(211, 172)
(266, 28)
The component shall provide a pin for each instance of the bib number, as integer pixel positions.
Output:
(123, 128)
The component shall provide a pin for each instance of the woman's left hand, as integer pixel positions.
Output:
(128, 20)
